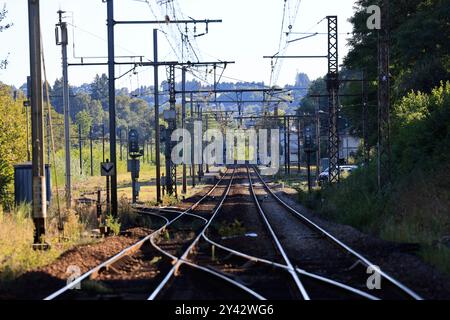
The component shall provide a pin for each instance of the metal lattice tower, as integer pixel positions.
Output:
(384, 147)
(333, 99)
(171, 169)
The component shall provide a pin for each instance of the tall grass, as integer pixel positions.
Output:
(416, 209)
(16, 253)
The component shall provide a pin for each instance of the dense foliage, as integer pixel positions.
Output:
(12, 138)
(416, 206)
(420, 54)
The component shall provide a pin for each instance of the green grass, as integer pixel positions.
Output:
(414, 210)
(16, 253)
(83, 181)
(232, 229)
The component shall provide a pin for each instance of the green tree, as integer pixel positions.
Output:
(420, 47)
(84, 121)
(310, 104)
(12, 138)
(100, 90)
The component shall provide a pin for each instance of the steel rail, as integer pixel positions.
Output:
(108, 262)
(135, 246)
(183, 258)
(179, 261)
(278, 245)
(347, 248)
(205, 269)
(337, 284)
(298, 270)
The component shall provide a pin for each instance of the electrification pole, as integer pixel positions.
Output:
(365, 119)
(333, 100)
(318, 142)
(37, 127)
(170, 117)
(62, 40)
(288, 129)
(112, 104)
(157, 133)
(183, 124)
(191, 130)
(285, 146)
(384, 148)
(298, 147)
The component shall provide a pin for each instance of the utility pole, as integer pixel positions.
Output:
(309, 149)
(288, 146)
(298, 146)
(318, 142)
(121, 144)
(285, 145)
(183, 125)
(191, 130)
(91, 151)
(37, 127)
(27, 104)
(384, 147)
(200, 166)
(333, 99)
(62, 40)
(206, 133)
(80, 149)
(157, 133)
(365, 119)
(112, 104)
(103, 142)
(111, 75)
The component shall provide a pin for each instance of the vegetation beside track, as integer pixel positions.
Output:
(16, 253)
(416, 207)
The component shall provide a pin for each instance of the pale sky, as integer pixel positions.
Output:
(250, 30)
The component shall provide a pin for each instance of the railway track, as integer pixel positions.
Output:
(141, 253)
(272, 274)
(307, 283)
(242, 278)
(339, 265)
(184, 259)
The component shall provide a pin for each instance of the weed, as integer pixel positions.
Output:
(113, 224)
(231, 229)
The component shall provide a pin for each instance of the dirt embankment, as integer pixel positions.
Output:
(39, 283)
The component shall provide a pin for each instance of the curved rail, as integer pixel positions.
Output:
(347, 248)
(183, 258)
(277, 243)
(108, 262)
(129, 249)
(298, 270)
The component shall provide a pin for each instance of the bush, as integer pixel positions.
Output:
(16, 253)
(12, 140)
(231, 229)
(416, 207)
(113, 224)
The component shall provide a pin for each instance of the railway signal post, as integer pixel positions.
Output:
(133, 164)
